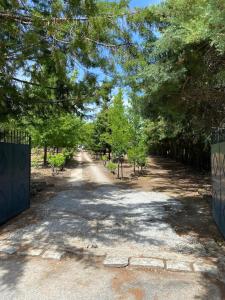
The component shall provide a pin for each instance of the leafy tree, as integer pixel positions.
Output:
(62, 131)
(101, 132)
(137, 151)
(178, 72)
(47, 45)
(120, 130)
(86, 133)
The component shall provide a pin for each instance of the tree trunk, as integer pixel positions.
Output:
(121, 170)
(118, 170)
(134, 168)
(45, 155)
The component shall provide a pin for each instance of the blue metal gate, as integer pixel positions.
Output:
(14, 174)
(218, 177)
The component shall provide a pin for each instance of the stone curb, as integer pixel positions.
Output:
(116, 261)
(163, 264)
(198, 266)
(147, 262)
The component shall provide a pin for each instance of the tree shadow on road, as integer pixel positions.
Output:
(117, 215)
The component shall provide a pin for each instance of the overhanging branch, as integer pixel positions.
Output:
(32, 83)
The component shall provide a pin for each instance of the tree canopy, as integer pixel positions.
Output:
(170, 57)
(49, 50)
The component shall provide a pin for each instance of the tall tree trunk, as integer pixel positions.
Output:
(121, 170)
(45, 155)
(134, 168)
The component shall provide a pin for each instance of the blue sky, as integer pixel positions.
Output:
(143, 3)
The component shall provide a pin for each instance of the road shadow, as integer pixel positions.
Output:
(110, 215)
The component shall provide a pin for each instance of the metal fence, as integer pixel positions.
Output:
(218, 176)
(14, 173)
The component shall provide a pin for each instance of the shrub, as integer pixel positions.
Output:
(104, 159)
(56, 161)
(68, 154)
(142, 160)
(111, 166)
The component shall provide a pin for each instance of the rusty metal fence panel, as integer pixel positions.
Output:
(218, 177)
(14, 174)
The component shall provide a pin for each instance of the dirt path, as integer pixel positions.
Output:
(92, 217)
(93, 172)
(94, 210)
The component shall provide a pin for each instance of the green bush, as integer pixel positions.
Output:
(68, 153)
(104, 159)
(56, 161)
(111, 166)
(142, 160)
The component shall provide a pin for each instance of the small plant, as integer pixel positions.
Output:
(142, 161)
(68, 154)
(57, 162)
(111, 167)
(104, 159)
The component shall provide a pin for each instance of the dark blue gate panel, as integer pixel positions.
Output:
(14, 179)
(221, 212)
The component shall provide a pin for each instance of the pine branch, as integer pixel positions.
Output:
(32, 83)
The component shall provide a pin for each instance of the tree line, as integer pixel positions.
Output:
(170, 58)
(118, 133)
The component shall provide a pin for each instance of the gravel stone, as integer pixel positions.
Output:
(178, 266)
(31, 252)
(116, 262)
(8, 250)
(147, 262)
(53, 254)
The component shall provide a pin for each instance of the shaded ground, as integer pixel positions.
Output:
(191, 189)
(161, 211)
(86, 208)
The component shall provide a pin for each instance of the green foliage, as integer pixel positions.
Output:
(101, 130)
(58, 131)
(137, 151)
(111, 166)
(45, 45)
(137, 155)
(141, 157)
(104, 157)
(68, 154)
(56, 161)
(178, 74)
(119, 134)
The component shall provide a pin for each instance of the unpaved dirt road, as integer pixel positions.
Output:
(93, 212)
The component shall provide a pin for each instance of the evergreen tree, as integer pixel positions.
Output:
(137, 151)
(45, 43)
(120, 130)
